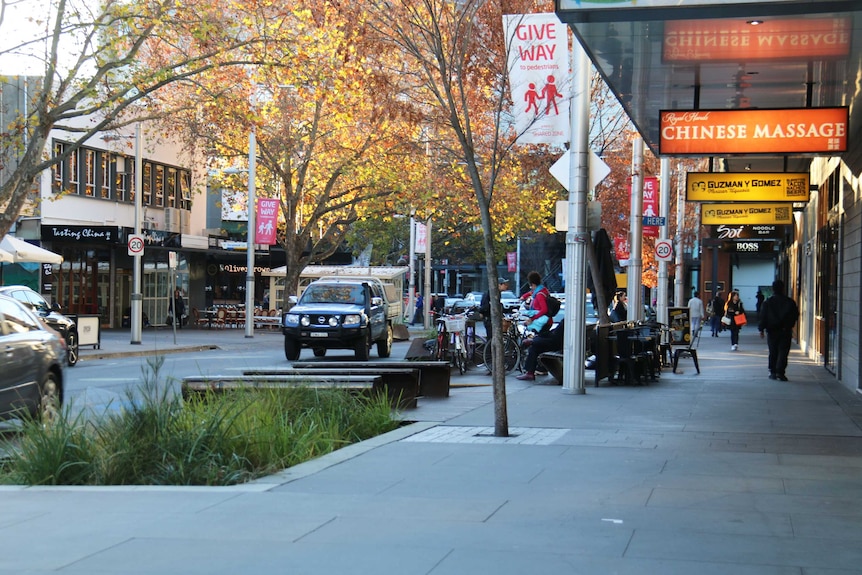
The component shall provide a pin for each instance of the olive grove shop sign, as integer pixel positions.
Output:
(755, 131)
(746, 187)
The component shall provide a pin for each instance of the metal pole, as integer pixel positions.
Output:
(679, 280)
(517, 284)
(176, 316)
(574, 346)
(635, 309)
(664, 211)
(426, 301)
(249, 273)
(411, 283)
(137, 314)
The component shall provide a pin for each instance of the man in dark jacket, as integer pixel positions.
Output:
(778, 316)
(485, 306)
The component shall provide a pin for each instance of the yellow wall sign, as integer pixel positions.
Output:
(746, 187)
(754, 214)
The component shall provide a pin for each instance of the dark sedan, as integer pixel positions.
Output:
(58, 322)
(33, 358)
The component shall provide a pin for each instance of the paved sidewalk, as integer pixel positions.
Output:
(726, 472)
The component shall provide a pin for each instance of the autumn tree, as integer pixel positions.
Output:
(333, 139)
(106, 63)
(455, 66)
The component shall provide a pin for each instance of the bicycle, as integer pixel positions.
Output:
(514, 336)
(450, 345)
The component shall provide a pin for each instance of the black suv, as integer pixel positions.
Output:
(57, 321)
(339, 313)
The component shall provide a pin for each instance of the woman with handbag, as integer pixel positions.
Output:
(734, 318)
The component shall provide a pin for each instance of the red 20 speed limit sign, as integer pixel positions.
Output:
(663, 250)
(136, 245)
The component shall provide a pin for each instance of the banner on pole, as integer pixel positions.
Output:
(511, 261)
(421, 238)
(621, 250)
(267, 220)
(539, 78)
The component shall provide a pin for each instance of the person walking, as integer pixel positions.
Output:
(485, 306)
(538, 318)
(732, 309)
(550, 340)
(177, 308)
(419, 314)
(696, 311)
(717, 313)
(779, 315)
(758, 298)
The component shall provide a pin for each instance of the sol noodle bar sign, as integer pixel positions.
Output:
(755, 131)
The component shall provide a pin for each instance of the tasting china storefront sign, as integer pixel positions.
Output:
(84, 234)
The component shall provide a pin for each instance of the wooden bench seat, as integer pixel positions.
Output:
(219, 383)
(401, 383)
(434, 376)
(553, 360)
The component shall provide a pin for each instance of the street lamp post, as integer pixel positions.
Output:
(137, 296)
(249, 273)
(137, 299)
(249, 240)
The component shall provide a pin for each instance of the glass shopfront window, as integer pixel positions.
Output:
(157, 285)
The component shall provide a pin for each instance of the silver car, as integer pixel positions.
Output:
(510, 301)
(33, 359)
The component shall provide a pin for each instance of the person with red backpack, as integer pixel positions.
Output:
(538, 316)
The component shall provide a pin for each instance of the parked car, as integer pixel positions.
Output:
(34, 356)
(473, 298)
(509, 300)
(453, 303)
(591, 313)
(50, 315)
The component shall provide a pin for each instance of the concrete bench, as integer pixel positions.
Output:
(367, 384)
(434, 376)
(401, 384)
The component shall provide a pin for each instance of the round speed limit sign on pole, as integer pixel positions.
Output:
(136, 245)
(663, 250)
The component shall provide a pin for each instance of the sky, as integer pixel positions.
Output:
(19, 26)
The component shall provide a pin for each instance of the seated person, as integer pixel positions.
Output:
(537, 314)
(549, 340)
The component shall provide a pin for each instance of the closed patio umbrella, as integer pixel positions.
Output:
(23, 252)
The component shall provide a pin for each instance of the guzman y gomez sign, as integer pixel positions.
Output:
(755, 131)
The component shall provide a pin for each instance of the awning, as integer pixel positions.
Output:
(23, 252)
